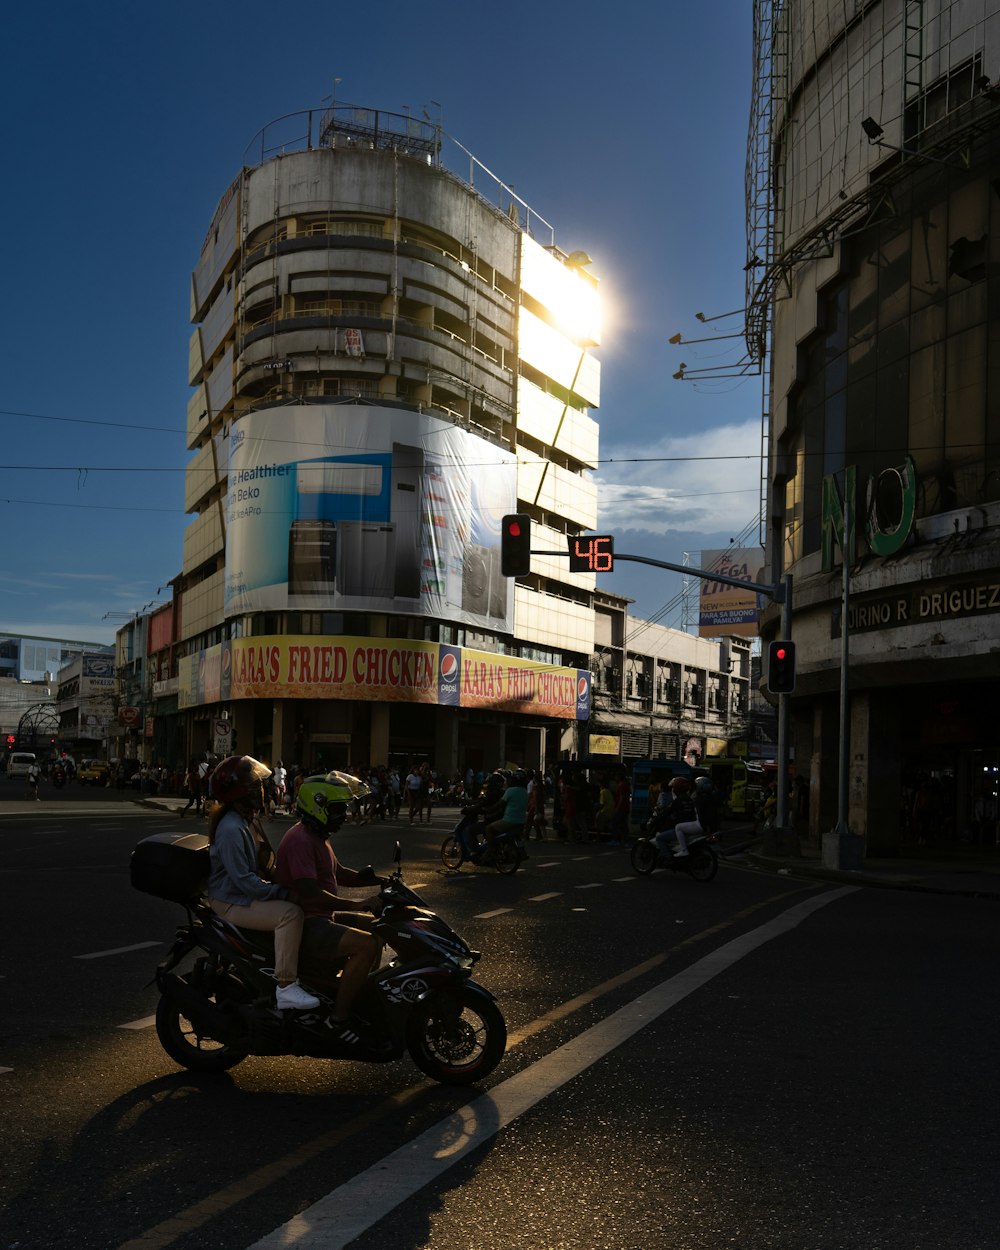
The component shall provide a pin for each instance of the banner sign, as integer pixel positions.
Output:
(397, 670)
(349, 507)
(97, 672)
(724, 609)
(604, 744)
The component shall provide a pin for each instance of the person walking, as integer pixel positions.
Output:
(425, 795)
(536, 807)
(623, 806)
(192, 784)
(413, 791)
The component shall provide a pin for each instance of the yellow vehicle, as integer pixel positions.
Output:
(94, 772)
(739, 781)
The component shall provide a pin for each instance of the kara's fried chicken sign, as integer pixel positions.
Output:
(382, 670)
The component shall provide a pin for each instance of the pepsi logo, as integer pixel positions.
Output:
(581, 688)
(449, 666)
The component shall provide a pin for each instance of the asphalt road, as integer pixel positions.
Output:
(757, 1062)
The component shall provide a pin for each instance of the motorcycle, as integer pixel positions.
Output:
(58, 777)
(701, 862)
(467, 844)
(221, 1009)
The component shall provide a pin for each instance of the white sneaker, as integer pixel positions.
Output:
(294, 998)
(680, 854)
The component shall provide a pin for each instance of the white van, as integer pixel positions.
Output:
(18, 764)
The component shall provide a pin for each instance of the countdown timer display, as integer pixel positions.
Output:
(591, 553)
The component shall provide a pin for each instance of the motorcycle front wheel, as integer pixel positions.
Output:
(193, 1050)
(508, 856)
(452, 855)
(456, 1037)
(703, 863)
(644, 857)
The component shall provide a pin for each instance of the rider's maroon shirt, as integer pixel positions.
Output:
(302, 854)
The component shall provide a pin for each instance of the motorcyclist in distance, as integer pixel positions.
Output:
(706, 816)
(337, 929)
(674, 805)
(514, 813)
(484, 808)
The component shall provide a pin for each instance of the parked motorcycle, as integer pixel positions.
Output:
(221, 1009)
(467, 844)
(701, 862)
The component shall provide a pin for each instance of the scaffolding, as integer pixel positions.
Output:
(868, 74)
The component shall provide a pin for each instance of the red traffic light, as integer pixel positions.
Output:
(515, 545)
(781, 667)
(11, 739)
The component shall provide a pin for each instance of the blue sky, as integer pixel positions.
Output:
(623, 125)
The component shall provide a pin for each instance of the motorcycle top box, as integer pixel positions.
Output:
(172, 866)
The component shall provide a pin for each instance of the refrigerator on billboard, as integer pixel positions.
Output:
(406, 512)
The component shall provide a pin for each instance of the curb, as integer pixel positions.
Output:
(861, 877)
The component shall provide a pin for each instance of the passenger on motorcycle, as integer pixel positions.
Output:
(706, 815)
(674, 805)
(514, 813)
(307, 867)
(237, 889)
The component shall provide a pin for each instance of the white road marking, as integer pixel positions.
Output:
(488, 915)
(118, 950)
(3, 1070)
(542, 898)
(624, 878)
(351, 1209)
(552, 863)
(145, 1023)
(591, 885)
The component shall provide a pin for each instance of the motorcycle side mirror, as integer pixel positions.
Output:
(397, 856)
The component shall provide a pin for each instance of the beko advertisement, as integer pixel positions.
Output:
(354, 508)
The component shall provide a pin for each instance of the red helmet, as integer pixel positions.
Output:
(238, 777)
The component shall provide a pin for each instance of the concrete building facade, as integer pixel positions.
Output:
(874, 303)
(388, 357)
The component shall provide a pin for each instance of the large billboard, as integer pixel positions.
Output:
(395, 670)
(349, 507)
(727, 609)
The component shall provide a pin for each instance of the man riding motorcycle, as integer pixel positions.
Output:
(484, 808)
(336, 931)
(514, 813)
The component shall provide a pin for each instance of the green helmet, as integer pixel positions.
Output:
(323, 802)
(358, 788)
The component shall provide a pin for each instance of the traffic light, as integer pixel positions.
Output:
(515, 545)
(781, 667)
(11, 740)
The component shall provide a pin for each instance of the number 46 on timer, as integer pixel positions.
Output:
(591, 553)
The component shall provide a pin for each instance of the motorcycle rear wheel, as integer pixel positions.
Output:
(644, 857)
(456, 1038)
(452, 855)
(704, 863)
(507, 856)
(197, 1052)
